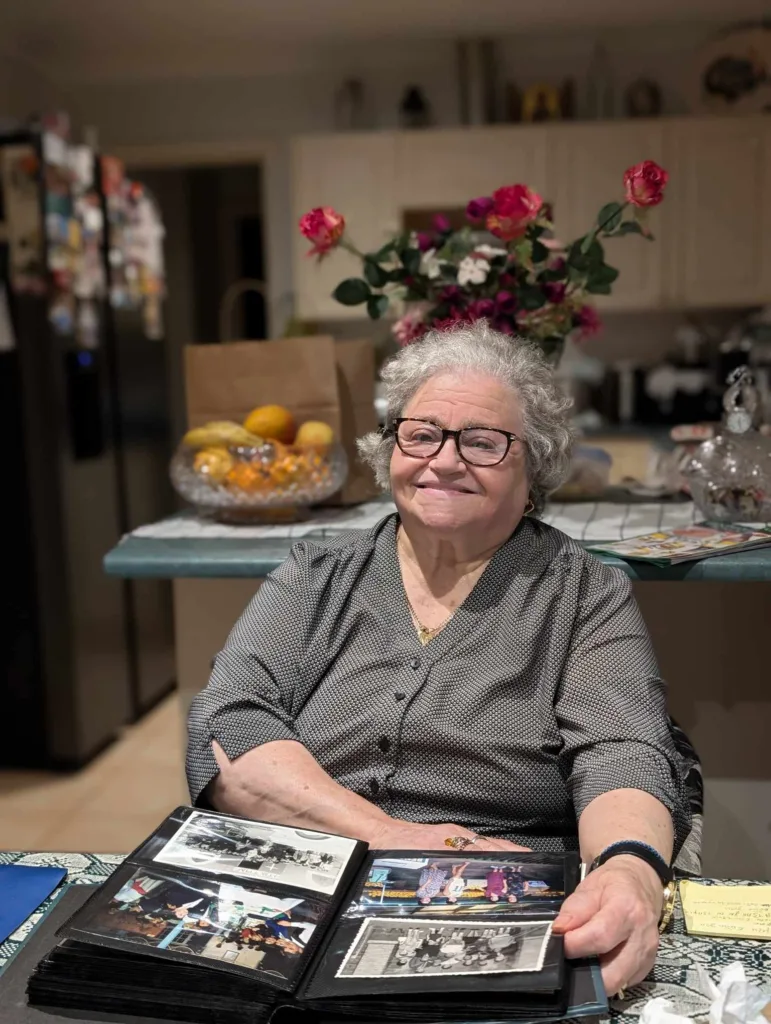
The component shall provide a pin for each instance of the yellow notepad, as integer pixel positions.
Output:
(727, 911)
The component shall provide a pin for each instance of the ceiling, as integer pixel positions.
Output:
(82, 40)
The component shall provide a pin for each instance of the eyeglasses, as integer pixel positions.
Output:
(478, 446)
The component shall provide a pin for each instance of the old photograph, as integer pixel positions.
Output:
(454, 886)
(393, 948)
(210, 919)
(250, 849)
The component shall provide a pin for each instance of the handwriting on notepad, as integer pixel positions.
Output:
(740, 912)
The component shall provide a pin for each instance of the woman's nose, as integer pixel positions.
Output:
(448, 458)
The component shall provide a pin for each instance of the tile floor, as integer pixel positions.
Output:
(107, 807)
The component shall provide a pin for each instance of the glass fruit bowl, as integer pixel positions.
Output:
(269, 482)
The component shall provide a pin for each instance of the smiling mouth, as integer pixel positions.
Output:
(444, 488)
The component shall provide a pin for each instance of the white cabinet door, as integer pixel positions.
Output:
(721, 194)
(588, 162)
(355, 175)
(442, 170)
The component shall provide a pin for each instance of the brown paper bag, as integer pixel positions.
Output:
(315, 378)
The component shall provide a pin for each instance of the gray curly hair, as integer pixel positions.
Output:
(515, 362)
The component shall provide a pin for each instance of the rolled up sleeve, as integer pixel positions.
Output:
(248, 700)
(611, 705)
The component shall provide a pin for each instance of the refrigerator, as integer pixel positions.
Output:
(84, 450)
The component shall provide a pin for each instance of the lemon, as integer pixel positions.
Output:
(314, 434)
(271, 421)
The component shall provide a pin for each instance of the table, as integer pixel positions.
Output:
(674, 976)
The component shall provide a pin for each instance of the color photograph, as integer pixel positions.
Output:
(455, 886)
(388, 948)
(205, 918)
(255, 850)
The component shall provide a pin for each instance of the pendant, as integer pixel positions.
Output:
(424, 635)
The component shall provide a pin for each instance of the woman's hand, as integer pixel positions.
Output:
(614, 914)
(395, 834)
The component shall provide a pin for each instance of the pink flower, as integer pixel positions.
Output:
(506, 301)
(442, 223)
(504, 325)
(587, 322)
(515, 208)
(481, 308)
(555, 291)
(324, 227)
(478, 209)
(410, 327)
(645, 184)
(425, 242)
(556, 263)
(451, 294)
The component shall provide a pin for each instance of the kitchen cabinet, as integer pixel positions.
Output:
(719, 203)
(355, 175)
(444, 169)
(587, 164)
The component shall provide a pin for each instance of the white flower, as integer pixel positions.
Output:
(489, 252)
(472, 271)
(430, 264)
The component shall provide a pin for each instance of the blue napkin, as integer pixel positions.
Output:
(22, 890)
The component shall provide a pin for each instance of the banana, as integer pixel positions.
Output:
(220, 432)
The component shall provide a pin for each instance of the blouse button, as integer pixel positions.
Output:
(385, 744)
(415, 663)
(374, 787)
(399, 696)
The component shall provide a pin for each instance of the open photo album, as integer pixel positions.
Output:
(221, 918)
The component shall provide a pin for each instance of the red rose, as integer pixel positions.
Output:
(323, 227)
(645, 183)
(555, 291)
(515, 207)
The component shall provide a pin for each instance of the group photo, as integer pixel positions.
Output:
(455, 886)
(392, 948)
(207, 918)
(296, 857)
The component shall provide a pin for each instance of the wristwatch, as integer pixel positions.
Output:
(635, 848)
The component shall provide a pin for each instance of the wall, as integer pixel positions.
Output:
(143, 113)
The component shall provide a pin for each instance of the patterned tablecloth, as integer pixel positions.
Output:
(674, 976)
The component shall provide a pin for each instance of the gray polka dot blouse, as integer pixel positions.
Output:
(541, 693)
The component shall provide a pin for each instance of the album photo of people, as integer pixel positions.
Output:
(454, 886)
(255, 850)
(394, 948)
(206, 918)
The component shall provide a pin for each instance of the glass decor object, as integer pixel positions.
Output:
(730, 475)
(269, 483)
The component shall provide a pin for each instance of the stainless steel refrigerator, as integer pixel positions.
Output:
(84, 449)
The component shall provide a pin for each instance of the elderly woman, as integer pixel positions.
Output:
(461, 673)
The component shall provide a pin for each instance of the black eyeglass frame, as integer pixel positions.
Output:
(393, 431)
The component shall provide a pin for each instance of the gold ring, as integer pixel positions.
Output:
(458, 842)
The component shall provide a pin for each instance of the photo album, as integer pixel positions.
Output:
(221, 918)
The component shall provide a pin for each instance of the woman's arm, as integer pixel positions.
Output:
(281, 781)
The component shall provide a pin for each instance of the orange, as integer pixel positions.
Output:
(314, 434)
(271, 421)
(214, 462)
(247, 477)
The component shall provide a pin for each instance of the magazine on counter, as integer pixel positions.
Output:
(223, 914)
(688, 543)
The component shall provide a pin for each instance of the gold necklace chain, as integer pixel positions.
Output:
(424, 633)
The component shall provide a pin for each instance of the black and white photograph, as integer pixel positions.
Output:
(250, 849)
(453, 886)
(207, 918)
(393, 948)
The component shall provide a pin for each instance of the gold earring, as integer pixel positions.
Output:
(530, 507)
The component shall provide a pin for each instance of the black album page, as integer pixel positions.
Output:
(418, 922)
(224, 893)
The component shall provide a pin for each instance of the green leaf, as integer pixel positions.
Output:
(384, 252)
(598, 289)
(600, 279)
(351, 292)
(531, 297)
(584, 244)
(377, 305)
(540, 252)
(595, 254)
(609, 217)
(410, 260)
(374, 273)
(630, 227)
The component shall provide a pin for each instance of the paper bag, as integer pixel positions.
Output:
(315, 378)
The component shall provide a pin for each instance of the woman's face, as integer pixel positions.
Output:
(444, 492)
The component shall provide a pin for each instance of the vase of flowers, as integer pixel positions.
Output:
(504, 265)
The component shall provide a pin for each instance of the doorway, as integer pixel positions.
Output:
(214, 222)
